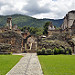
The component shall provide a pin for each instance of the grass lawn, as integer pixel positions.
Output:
(57, 64)
(7, 62)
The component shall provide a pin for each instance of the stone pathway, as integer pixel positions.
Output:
(28, 65)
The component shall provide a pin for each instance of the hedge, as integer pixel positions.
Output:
(55, 51)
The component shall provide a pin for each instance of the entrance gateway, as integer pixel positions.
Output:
(30, 44)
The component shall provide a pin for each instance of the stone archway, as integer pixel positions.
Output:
(31, 44)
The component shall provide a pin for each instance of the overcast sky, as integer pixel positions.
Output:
(53, 9)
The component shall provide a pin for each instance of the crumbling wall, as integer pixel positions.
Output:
(12, 38)
(5, 47)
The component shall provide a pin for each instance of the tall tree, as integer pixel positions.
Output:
(45, 32)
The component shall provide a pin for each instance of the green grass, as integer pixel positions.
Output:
(57, 64)
(7, 62)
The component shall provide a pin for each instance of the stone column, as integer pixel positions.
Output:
(10, 24)
(30, 46)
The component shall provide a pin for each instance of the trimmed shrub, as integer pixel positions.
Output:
(68, 51)
(62, 50)
(49, 52)
(43, 51)
(56, 51)
(39, 52)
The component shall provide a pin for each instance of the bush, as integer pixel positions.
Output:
(43, 51)
(56, 51)
(68, 51)
(39, 52)
(49, 52)
(62, 50)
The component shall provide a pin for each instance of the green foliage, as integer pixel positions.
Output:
(39, 52)
(62, 50)
(23, 20)
(19, 27)
(45, 32)
(43, 51)
(49, 52)
(32, 30)
(57, 64)
(68, 51)
(56, 51)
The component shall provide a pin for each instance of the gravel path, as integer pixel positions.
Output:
(28, 65)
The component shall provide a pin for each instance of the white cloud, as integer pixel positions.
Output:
(37, 8)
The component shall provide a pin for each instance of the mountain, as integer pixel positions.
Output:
(24, 20)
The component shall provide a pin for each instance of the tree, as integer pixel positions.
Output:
(45, 32)
(33, 30)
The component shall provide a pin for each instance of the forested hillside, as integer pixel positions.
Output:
(23, 20)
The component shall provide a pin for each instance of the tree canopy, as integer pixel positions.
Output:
(45, 32)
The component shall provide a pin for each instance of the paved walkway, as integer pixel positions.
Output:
(28, 65)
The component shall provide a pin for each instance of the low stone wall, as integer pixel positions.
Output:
(5, 47)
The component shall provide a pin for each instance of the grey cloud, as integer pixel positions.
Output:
(9, 12)
(54, 0)
(1, 4)
(33, 8)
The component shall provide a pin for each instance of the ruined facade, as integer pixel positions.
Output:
(73, 28)
(10, 27)
(12, 38)
(67, 26)
(31, 44)
(9, 23)
(68, 22)
(52, 30)
(19, 41)
(67, 29)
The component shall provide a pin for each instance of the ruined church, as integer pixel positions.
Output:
(19, 41)
(67, 28)
(69, 23)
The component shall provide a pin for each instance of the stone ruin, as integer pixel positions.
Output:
(66, 32)
(68, 25)
(31, 44)
(19, 41)
(12, 38)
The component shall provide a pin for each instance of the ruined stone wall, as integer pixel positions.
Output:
(65, 22)
(12, 38)
(68, 20)
(18, 31)
(51, 32)
(71, 19)
(5, 47)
